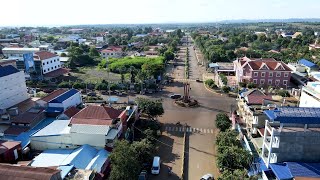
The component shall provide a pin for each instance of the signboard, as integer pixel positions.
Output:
(29, 62)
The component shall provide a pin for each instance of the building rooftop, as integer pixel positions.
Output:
(14, 172)
(64, 96)
(7, 70)
(307, 63)
(296, 115)
(57, 73)
(20, 49)
(289, 170)
(43, 55)
(6, 145)
(96, 115)
(89, 129)
(28, 117)
(55, 128)
(53, 95)
(71, 111)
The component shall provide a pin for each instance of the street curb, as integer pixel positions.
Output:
(183, 154)
(205, 86)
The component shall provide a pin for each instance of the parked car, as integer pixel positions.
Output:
(198, 80)
(207, 177)
(49, 90)
(175, 96)
(156, 165)
(92, 94)
(143, 175)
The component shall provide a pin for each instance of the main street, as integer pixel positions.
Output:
(200, 151)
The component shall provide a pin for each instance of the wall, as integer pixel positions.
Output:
(72, 101)
(62, 141)
(13, 90)
(299, 146)
(307, 100)
(96, 140)
(50, 64)
(274, 77)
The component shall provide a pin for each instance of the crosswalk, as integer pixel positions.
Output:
(185, 80)
(188, 129)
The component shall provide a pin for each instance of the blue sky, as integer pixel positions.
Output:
(68, 12)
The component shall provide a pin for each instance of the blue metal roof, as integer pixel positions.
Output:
(54, 110)
(64, 96)
(65, 170)
(307, 63)
(282, 171)
(300, 169)
(7, 70)
(296, 115)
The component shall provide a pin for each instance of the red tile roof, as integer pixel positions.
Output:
(96, 115)
(42, 55)
(53, 95)
(272, 65)
(112, 49)
(7, 145)
(71, 111)
(255, 99)
(14, 172)
(57, 73)
(15, 130)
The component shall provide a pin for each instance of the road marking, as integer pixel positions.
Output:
(197, 130)
(194, 130)
(211, 131)
(198, 166)
(189, 129)
(204, 130)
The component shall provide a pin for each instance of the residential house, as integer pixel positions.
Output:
(310, 66)
(287, 34)
(263, 72)
(85, 158)
(314, 47)
(97, 126)
(112, 52)
(9, 171)
(291, 134)
(13, 89)
(296, 34)
(310, 95)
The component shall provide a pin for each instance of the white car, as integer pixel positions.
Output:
(207, 177)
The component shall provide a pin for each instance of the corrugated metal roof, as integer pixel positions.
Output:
(81, 157)
(64, 96)
(51, 157)
(307, 63)
(55, 128)
(98, 161)
(7, 70)
(296, 115)
(53, 95)
(282, 171)
(301, 169)
(89, 129)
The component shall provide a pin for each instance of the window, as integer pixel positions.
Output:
(286, 74)
(51, 67)
(44, 70)
(58, 65)
(51, 61)
(263, 74)
(43, 63)
(47, 62)
(54, 60)
(270, 81)
(278, 74)
(277, 82)
(285, 82)
(270, 74)
(255, 74)
(255, 81)
(108, 54)
(262, 81)
(55, 67)
(104, 54)
(48, 69)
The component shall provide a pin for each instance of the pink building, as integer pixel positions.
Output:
(263, 72)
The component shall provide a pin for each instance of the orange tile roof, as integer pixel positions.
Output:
(53, 95)
(96, 115)
(71, 111)
(42, 55)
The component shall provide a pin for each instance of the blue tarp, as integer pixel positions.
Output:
(307, 63)
(282, 171)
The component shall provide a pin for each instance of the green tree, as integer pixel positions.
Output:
(125, 164)
(152, 108)
(237, 174)
(233, 158)
(144, 150)
(168, 55)
(223, 122)
(227, 139)
(93, 52)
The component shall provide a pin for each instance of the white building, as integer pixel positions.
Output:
(99, 39)
(310, 95)
(64, 101)
(13, 88)
(49, 61)
(17, 53)
(97, 126)
(112, 52)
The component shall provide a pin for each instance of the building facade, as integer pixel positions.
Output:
(112, 52)
(49, 61)
(291, 135)
(17, 53)
(13, 89)
(310, 95)
(262, 72)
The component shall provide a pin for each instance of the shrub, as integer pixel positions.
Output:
(242, 84)
(223, 78)
(226, 89)
(283, 93)
(251, 85)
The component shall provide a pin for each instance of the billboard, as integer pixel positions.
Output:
(29, 62)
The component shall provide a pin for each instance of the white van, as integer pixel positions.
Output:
(156, 165)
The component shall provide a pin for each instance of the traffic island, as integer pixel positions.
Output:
(190, 103)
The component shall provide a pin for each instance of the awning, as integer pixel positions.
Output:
(282, 171)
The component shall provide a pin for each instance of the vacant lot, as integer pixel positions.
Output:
(93, 74)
